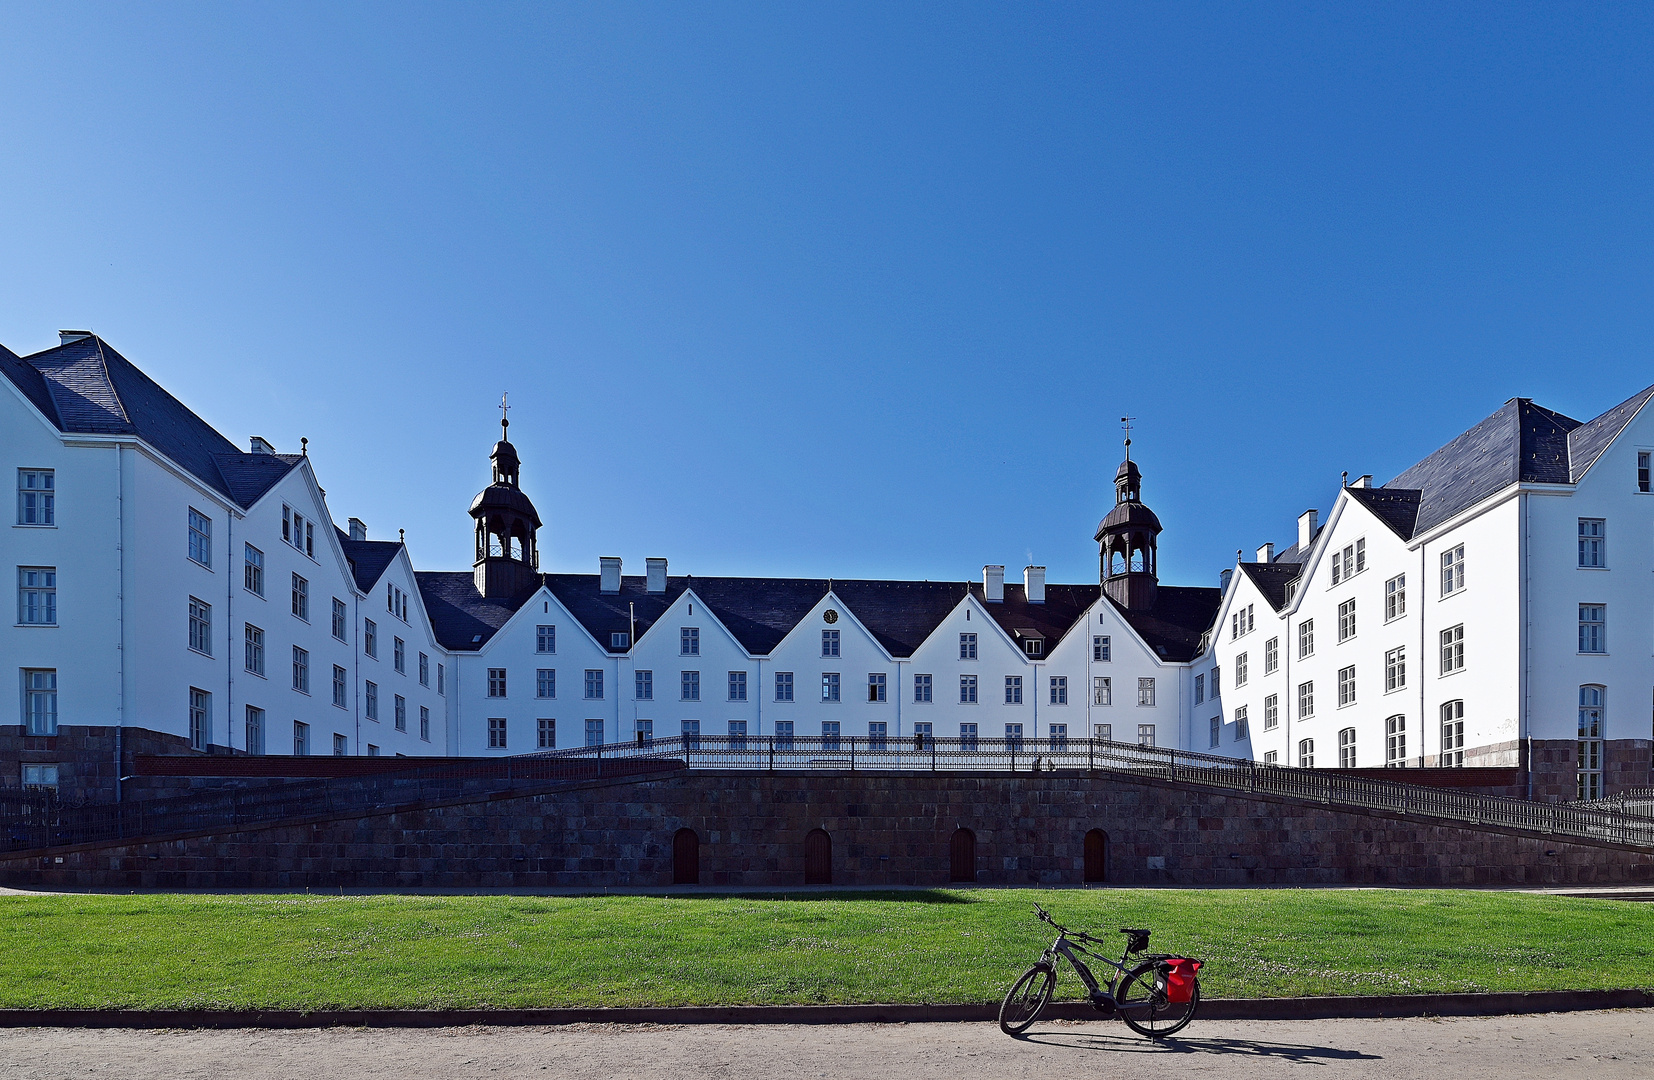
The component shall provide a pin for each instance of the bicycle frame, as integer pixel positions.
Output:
(1066, 949)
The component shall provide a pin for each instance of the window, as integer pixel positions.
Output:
(1349, 562)
(1145, 734)
(1240, 669)
(783, 686)
(1240, 724)
(200, 626)
(1105, 732)
(1593, 636)
(1452, 570)
(40, 701)
(1200, 689)
(440, 681)
(830, 686)
(1643, 457)
(1241, 622)
(829, 734)
(1216, 727)
(547, 734)
(373, 751)
(1452, 735)
(1395, 669)
(923, 735)
(967, 646)
(784, 734)
(1013, 689)
(370, 702)
(1452, 640)
(37, 595)
(1102, 649)
(370, 638)
(692, 734)
(425, 723)
(1306, 753)
(341, 745)
(594, 684)
(339, 685)
(921, 689)
(1102, 691)
(689, 686)
(301, 670)
(1013, 738)
(401, 713)
(967, 689)
(252, 570)
(1589, 785)
(301, 738)
(1346, 748)
(545, 639)
(545, 682)
(1271, 655)
(829, 643)
(875, 686)
(200, 537)
(254, 730)
(36, 497)
(877, 733)
(496, 682)
(1346, 620)
(1346, 686)
(1059, 689)
(737, 686)
(967, 737)
(496, 733)
(200, 718)
(424, 670)
(644, 731)
(1395, 741)
(399, 655)
(297, 531)
(620, 641)
(1034, 646)
(396, 601)
(1145, 691)
(1395, 597)
(340, 615)
(1592, 538)
(643, 685)
(1306, 699)
(1271, 712)
(689, 641)
(1306, 638)
(301, 598)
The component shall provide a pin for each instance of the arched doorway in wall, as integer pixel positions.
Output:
(1096, 855)
(962, 856)
(686, 858)
(818, 858)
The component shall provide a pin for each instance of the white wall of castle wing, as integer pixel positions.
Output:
(659, 651)
(1253, 694)
(419, 687)
(801, 654)
(996, 657)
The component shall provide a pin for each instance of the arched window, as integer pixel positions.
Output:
(1395, 742)
(1452, 756)
(686, 858)
(1096, 855)
(1346, 748)
(962, 856)
(1589, 762)
(818, 858)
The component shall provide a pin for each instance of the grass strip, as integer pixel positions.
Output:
(936, 946)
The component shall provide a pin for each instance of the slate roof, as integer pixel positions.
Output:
(368, 558)
(1180, 617)
(1396, 507)
(1272, 579)
(1587, 441)
(87, 387)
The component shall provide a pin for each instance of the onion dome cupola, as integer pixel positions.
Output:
(508, 558)
(1127, 541)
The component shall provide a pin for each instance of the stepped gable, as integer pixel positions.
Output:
(1587, 441)
(368, 558)
(1272, 579)
(1173, 627)
(1522, 442)
(1396, 507)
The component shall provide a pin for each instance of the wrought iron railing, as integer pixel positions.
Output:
(1638, 802)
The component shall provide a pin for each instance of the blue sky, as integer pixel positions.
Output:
(834, 289)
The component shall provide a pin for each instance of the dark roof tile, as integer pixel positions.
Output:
(369, 558)
(1272, 579)
(1587, 441)
(1396, 507)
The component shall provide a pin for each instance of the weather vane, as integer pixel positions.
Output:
(1125, 422)
(505, 409)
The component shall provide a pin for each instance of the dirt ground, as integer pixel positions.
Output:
(1598, 1045)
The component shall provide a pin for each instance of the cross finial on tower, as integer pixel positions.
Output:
(1125, 422)
(505, 409)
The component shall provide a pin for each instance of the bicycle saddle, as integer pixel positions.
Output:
(1139, 938)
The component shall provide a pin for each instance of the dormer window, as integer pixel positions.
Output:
(1034, 646)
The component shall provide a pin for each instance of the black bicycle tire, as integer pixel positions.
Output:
(1018, 1027)
(1143, 976)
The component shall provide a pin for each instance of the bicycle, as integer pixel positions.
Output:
(1156, 996)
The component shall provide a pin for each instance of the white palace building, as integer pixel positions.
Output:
(177, 594)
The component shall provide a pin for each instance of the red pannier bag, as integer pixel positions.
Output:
(1180, 980)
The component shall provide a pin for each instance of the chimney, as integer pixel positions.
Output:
(1033, 584)
(657, 574)
(358, 530)
(64, 337)
(1306, 528)
(608, 574)
(1266, 553)
(1223, 579)
(260, 445)
(993, 584)
(1365, 481)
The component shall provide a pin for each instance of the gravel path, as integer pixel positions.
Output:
(1597, 1045)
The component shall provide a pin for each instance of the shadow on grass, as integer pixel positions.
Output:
(1129, 1044)
(898, 896)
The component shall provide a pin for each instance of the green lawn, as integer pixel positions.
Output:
(169, 951)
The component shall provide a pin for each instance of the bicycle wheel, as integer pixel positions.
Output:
(1026, 998)
(1145, 1008)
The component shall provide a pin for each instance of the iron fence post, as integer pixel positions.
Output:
(852, 753)
(772, 753)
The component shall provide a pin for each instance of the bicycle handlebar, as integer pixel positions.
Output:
(1045, 916)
